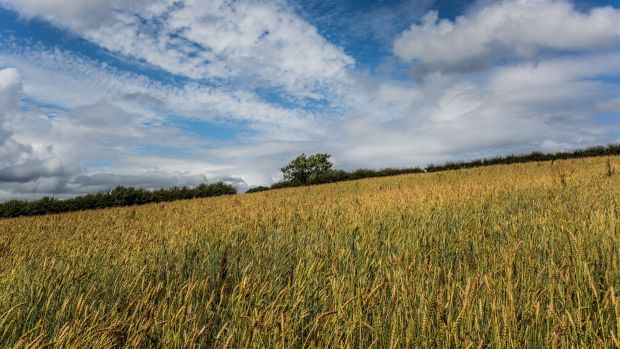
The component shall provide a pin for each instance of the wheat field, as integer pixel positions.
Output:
(518, 256)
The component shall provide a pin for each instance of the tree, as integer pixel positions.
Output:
(307, 169)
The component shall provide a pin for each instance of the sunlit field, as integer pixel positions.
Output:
(511, 256)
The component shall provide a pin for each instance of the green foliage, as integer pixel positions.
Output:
(120, 196)
(304, 169)
(331, 176)
(612, 149)
(317, 169)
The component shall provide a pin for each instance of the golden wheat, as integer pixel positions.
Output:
(507, 256)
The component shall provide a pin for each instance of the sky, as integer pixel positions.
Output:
(158, 93)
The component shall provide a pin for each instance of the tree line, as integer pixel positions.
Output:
(301, 171)
(119, 196)
(612, 149)
(317, 169)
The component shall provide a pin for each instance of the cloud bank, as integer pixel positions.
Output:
(43, 155)
(507, 30)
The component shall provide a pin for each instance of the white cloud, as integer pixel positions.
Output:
(85, 82)
(445, 117)
(551, 105)
(550, 73)
(105, 115)
(102, 121)
(42, 150)
(72, 13)
(255, 43)
(506, 30)
(10, 91)
(18, 161)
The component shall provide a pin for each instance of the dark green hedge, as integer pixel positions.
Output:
(120, 196)
(340, 175)
(612, 149)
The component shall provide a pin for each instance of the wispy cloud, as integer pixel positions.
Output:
(253, 42)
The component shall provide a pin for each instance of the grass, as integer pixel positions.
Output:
(525, 255)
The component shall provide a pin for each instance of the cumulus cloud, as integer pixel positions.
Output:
(42, 150)
(549, 105)
(32, 170)
(19, 162)
(507, 30)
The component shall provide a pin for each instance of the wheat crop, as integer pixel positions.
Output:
(519, 256)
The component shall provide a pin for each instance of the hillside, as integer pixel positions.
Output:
(523, 255)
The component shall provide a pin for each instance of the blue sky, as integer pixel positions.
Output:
(98, 93)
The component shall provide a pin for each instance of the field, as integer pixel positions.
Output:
(515, 256)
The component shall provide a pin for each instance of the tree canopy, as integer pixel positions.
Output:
(304, 169)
